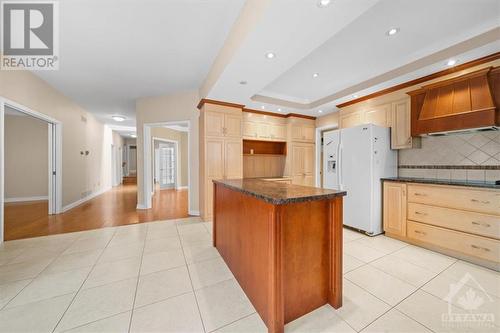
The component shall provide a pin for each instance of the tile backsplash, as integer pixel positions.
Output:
(474, 156)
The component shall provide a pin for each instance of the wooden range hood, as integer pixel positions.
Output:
(463, 103)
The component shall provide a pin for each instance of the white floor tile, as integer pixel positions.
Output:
(382, 243)
(22, 271)
(250, 324)
(349, 263)
(321, 320)
(36, 253)
(403, 270)
(160, 261)
(195, 237)
(73, 261)
(113, 271)
(360, 308)
(88, 244)
(205, 273)
(395, 322)
(176, 314)
(487, 278)
(161, 230)
(362, 252)
(159, 286)
(350, 235)
(377, 283)
(429, 260)
(98, 303)
(51, 285)
(185, 229)
(114, 253)
(115, 324)
(9, 290)
(162, 244)
(223, 303)
(34, 317)
(195, 252)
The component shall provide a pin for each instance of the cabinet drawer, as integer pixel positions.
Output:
(481, 201)
(476, 223)
(470, 245)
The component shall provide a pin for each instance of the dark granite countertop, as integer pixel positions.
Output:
(277, 193)
(485, 184)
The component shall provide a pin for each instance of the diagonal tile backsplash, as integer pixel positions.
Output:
(476, 157)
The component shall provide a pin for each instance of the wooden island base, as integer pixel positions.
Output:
(287, 257)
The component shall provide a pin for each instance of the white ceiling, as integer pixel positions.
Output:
(114, 51)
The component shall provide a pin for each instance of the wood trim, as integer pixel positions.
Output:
(213, 101)
(429, 77)
(276, 316)
(300, 116)
(266, 113)
(335, 222)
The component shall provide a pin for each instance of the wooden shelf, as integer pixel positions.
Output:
(264, 147)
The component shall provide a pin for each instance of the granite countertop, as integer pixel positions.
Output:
(485, 184)
(277, 193)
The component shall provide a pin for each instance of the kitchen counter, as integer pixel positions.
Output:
(283, 243)
(485, 184)
(278, 193)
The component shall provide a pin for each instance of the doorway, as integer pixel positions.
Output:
(167, 165)
(31, 182)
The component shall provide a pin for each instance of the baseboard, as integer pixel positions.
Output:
(24, 199)
(141, 206)
(194, 212)
(83, 200)
(182, 188)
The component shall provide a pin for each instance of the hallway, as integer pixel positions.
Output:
(114, 208)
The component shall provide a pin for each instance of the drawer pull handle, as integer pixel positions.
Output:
(480, 201)
(420, 213)
(483, 224)
(420, 232)
(420, 194)
(480, 248)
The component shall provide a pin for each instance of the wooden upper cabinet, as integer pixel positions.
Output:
(380, 115)
(277, 132)
(401, 127)
(302, 133)
(232, 125)
(394, 210)
(264, 131)
(250, 129)
(351, 119)
(214, 123)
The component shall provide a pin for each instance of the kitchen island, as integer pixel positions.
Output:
(283, 244)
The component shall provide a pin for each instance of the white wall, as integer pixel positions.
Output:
(169, 108)
(81, 175)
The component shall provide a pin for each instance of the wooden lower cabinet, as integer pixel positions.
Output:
(302, 164)
(459, 221)
(394, 208)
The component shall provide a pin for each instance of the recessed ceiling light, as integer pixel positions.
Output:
(270, 55)
(355, 96)
(279, 110)
(133, 135)
(243, 82)
(451, 62)
(118, 118)
(323, 3)
(320, 111)
(262, 107)
(315, 75)
(392, 31)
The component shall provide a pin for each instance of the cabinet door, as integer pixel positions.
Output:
(380, 116)
(233, 151)
(351, 120)
(401, 131)
(250, 129)
(263, 131)
(296, 132)
(232, 125)
(214, 124)
(394, 213)
(308, 133)
(214, 165)
(309, 160)
(298, 160)
(277, 132)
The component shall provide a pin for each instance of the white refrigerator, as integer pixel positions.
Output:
(355, 159)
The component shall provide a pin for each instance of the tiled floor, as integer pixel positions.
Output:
(166, 277)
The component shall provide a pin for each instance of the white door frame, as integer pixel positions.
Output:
(55, 158)
(147, 161)
(177, 160)
(319, 165)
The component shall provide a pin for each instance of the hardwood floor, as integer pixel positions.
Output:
(113, 208)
